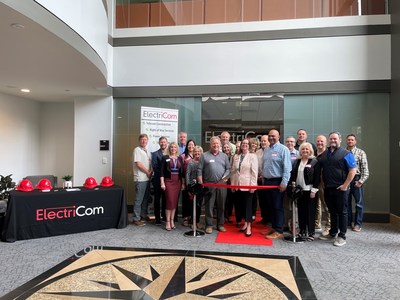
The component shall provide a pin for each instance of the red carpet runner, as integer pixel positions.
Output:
(233, 236)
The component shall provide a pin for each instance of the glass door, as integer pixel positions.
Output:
(242, 116)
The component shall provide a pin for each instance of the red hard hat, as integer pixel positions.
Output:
(107, 181)
(44, 184)
(25, 186)
(90, 183)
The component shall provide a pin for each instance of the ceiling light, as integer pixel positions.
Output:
(25, 90)
(17, 26)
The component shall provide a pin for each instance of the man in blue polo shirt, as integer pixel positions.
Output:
(276, 167)
(338, 170)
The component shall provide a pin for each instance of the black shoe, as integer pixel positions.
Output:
(158, 223)
(248, 234)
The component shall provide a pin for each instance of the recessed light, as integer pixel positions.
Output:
(25, 90)
(17, 26)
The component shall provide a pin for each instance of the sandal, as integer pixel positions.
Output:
(248, 232)
(168, 228)
(310, 238)
(243, 229)
(172, 224)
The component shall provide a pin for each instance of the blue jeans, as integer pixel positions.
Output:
(140, 208)
(358, 194)
(337, 205)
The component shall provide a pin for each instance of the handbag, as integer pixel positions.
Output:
(295, 192)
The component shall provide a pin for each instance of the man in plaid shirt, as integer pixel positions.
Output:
(356, 186)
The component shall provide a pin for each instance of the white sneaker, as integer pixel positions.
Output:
(325, 231)
(339, 242)
(326, 237)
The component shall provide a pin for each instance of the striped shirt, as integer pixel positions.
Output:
(362, 164)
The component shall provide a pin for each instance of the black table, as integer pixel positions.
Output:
(41, 214)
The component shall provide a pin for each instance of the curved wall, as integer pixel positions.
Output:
(87, 18)
(82, 24)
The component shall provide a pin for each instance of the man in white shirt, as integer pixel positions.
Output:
(265, 208)
(142, 172)
(225, 138)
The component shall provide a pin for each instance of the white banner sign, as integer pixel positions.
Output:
(157, 122)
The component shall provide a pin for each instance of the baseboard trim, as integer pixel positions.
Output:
(376, 218)
(395, 220)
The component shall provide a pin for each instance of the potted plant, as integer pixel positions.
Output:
(6, 185)
(67, 182)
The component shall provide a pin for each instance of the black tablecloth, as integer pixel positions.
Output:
(40, 214)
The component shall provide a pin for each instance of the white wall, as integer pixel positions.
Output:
(342, 58)
(261, 26)
(35, 138)
(57, 139)
(110, 64)
(19, 137)
(93, 122)
(271, 61)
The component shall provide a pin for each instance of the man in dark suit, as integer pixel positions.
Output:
(302, 138)
(159, 199)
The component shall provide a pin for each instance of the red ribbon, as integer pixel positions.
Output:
(246, 187)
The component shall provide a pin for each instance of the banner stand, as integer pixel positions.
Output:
(294, 238)
(194, 232)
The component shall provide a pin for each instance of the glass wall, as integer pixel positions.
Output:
(242, 116)
(127, 129)
(152, 13)
(365, 115)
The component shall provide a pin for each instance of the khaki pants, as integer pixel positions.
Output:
(318, 214)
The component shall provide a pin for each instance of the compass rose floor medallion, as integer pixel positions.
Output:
(99, 272)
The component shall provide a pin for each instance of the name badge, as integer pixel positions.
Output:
(274, 154)
(211, 160)
(308, 166)
(167, 159)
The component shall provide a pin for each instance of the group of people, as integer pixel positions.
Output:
(234, 176)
